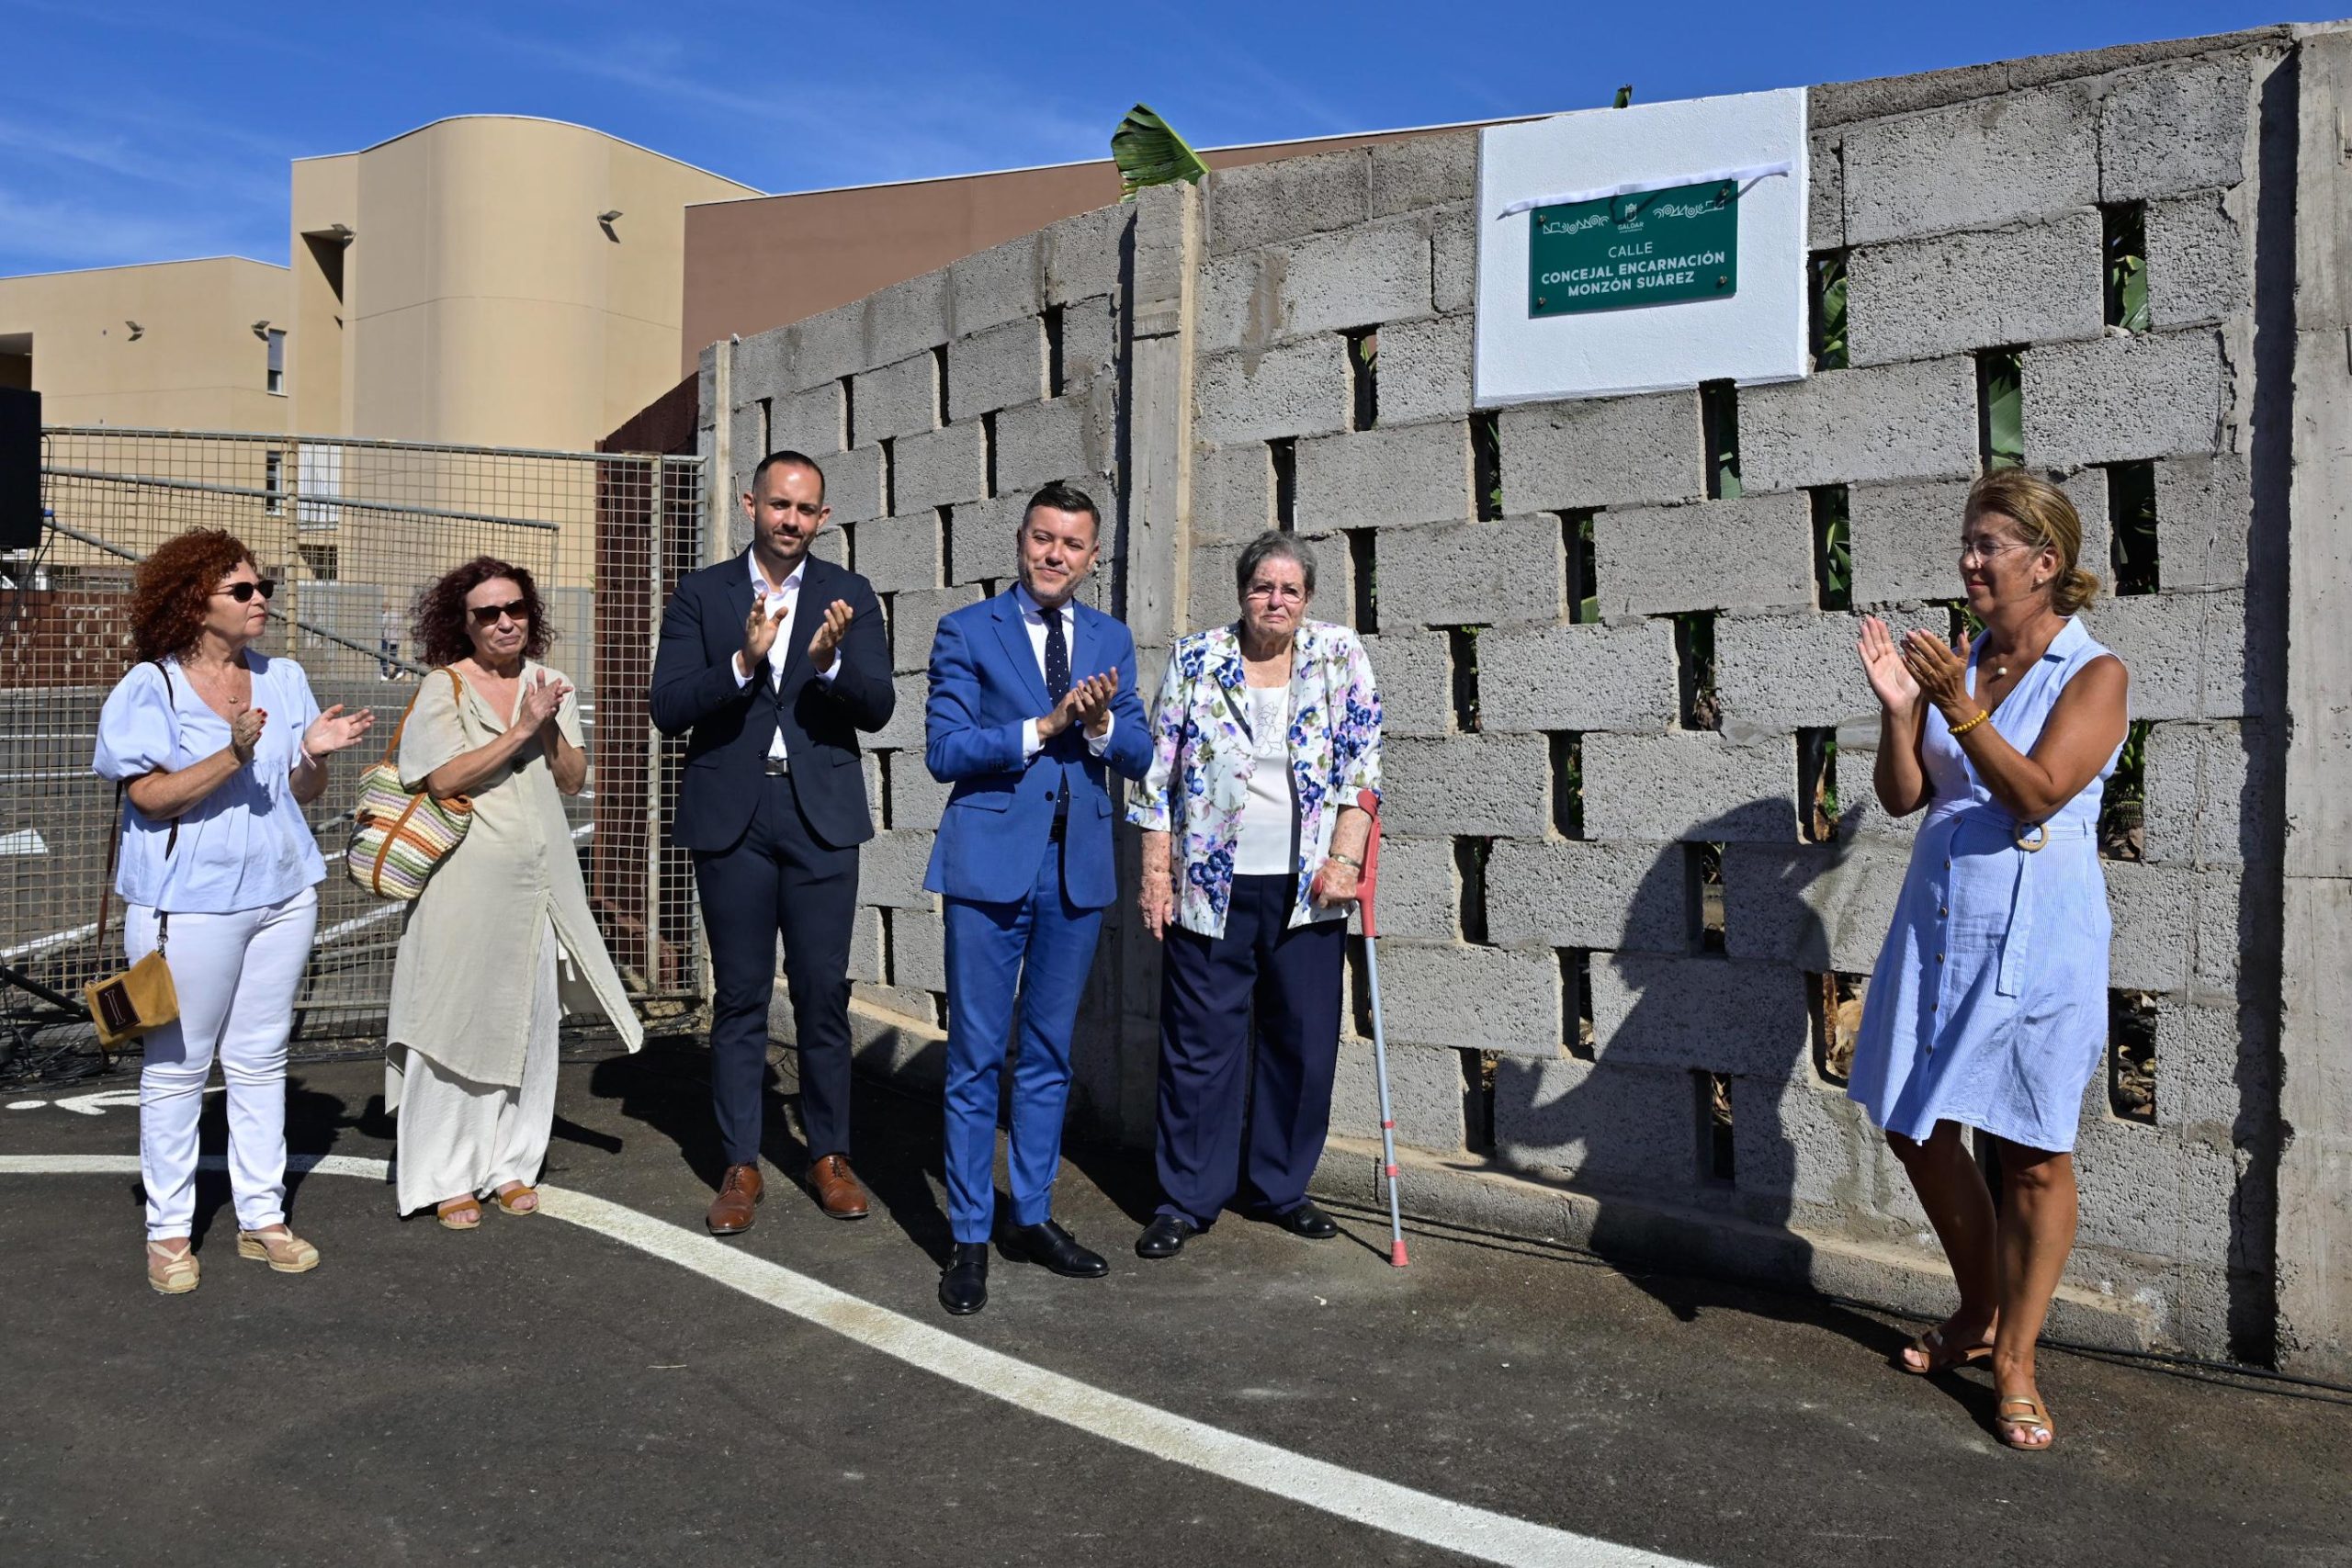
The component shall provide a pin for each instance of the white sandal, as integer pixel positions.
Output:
(173, 1273)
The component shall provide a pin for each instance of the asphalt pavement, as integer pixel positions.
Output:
(541, 1391)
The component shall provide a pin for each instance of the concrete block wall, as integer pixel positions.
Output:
(1611, 897)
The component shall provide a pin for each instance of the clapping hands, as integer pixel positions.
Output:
(543, 695)
(334, 729)
(1087, 703)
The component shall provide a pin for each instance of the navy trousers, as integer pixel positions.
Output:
(1040, 947)
(779, 877)
(1209, 1085)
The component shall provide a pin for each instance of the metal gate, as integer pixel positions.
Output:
(354, 531)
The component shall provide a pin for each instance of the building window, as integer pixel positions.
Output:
(277, 363)
(273, 483)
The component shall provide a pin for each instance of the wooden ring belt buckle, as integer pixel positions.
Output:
(2039, 833)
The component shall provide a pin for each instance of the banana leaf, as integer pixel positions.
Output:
(1149, 152)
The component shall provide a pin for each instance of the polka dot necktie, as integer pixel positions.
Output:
(1056, 659)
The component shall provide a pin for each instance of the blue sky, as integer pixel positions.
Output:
(138, 132)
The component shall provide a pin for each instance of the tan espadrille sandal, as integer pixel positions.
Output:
(172, 1273)
(515, 1198)
(458, 1214)
(284, 1252)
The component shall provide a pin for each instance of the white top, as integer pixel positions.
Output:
(245, 846)
(781, 607)
(1262, 846)
(1033, 621)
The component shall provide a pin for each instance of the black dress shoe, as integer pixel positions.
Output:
(1048, 1244)
(1308, 1221)
(1165, 1236)
(964, 1286)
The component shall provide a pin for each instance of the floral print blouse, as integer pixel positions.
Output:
(1203, 760)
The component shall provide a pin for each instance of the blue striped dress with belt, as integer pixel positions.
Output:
(1988, 1006)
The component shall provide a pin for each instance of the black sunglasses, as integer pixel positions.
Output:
(487, 615)
(242, 592)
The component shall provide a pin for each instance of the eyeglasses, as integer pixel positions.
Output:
(487, 615)
(242, 592)
(1981, 552)
(1286, 593)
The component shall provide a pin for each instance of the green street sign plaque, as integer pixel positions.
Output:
(1659, 247)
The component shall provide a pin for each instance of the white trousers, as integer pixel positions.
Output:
(237, 975)
(458, 1136)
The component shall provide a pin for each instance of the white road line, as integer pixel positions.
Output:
(1292, 1477)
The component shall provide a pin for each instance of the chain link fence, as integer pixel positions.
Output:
(352, 531)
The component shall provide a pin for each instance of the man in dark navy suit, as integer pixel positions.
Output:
(771, 663)
(1032, 706)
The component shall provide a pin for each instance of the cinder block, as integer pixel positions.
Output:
(1689, 784)
(2200, 267)
(2153, 396)
(706, 387)
(2177, 126)
(1358, 278)
(2203, 507)
(1004, 283)
(852, 482)
(898, 399)
(2202, 1051)
(1819, 907)
(1489, 574)
(1453, 259)
(898, 553)
(1212, 601)
(914, 620)
(918, 950)
(905, 1001)
(1424, 369)
(1299, 389)
(1973, 166)
(1420, 893)
(1712, 555)
(2207, 790)
(905, 318)
(2175, 927)
(1600, 1126)
(832, 545)
(2187, 653)
(984, 545)
(1038, 443)
(890, 870)
(940, 468)
(1860, 816)
(1414, 671)
(763, 366)
(1861, 426)
(1811, 1150)
(917, 800)
(1411, 473)
(1703, 1014)
(1924, 299)
(1089, 340)
(1264, 203)
(807, 422)
(745, 435)
(1603, 452)
(996, 368)
(1580, 893)
(905, 731)
(826, 348)
(1802, 671)
(1581, 677)
(1471, 998)
(1905, 541)
(1826, 197)
(1424, 171)
(1082, 254)
(1233, 492)
(1425, 1095)
(865, 946)
(2161, 1196)
(1476, 784)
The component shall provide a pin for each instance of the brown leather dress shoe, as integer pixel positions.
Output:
(739, 1191)
(838, 1192)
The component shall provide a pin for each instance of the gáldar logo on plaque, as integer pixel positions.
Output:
(1659, 247)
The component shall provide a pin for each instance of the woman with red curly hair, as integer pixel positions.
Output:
(502, 937)
(218, 747)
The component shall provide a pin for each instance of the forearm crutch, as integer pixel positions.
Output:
(1371, 804)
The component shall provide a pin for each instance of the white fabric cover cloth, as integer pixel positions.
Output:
(1262, 847)
(458, 1136)
(236, 975)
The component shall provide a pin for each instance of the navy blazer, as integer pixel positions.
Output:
(730, 726)
(998, 820)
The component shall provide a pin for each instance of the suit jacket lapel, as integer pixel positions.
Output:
(808, 610)
(1012, 630)
(1085, 643)
(738, 590)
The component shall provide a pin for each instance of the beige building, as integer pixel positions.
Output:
(182, 345)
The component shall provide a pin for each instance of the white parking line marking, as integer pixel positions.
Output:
(1262, 1466)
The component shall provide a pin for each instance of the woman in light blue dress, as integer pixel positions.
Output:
(1988, 1008)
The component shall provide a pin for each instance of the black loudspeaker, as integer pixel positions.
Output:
(19, 469)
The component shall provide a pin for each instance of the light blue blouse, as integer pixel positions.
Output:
(245, 846)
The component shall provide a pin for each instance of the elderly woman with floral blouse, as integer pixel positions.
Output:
(1266, 735)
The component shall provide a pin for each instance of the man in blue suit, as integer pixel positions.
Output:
(1033, 705)
(770, 664)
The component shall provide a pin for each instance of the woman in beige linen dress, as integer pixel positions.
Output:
(501, 943)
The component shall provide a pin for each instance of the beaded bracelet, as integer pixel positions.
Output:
(1960, 729)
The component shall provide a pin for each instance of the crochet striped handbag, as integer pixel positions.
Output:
(398, 838)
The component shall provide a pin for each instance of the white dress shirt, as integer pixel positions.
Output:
(1033, 617)
(782, 606)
